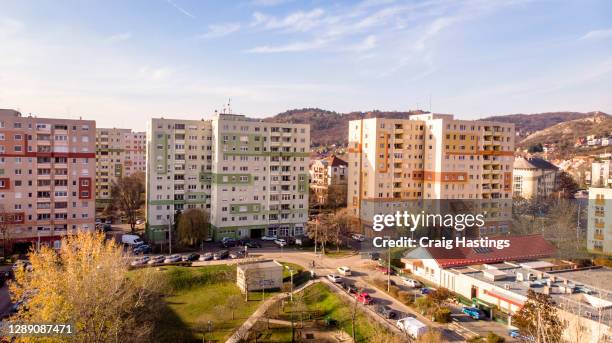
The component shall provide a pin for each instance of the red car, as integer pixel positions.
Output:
(364, 298)
(384, 270)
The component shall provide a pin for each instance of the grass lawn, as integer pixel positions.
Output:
(320, 299)
(197, 295)
(343, 252)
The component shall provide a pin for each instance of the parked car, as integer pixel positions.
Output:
(371, 255)
(142, 249)
(228, 242)
(22, 264)
(474, 312)
(221, 254)
(344, 270)
(334, 278)
(131, 240)
(190, 257)
(384, 270)
(426, 290)
(157, 259)
(515, 333)
(140, 261)
(350, 288)
(206, 257)
(268, 238)
(172, 258)
(411, 282)
(252, 244)
(236, 254)
(364, 298)
(280, 242)
(289, 240)
(358, 237)
(386, 311)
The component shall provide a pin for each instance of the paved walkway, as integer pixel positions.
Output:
(243, 330)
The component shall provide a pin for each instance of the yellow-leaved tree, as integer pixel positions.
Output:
(87, 283)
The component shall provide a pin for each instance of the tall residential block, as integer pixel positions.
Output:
(599, 226)
(250, 176)
(430, 157)
(47, 173)
(119, 153)
(534, 178)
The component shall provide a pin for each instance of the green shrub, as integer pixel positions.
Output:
(494, 338)
(442, 315)
(423, 304)
(405, 297)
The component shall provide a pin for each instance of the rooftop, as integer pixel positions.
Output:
(533, 163)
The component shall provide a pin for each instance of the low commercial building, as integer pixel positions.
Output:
(534, 178)
(257, 275)
(498, 281)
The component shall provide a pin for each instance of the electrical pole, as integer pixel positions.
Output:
(170, 236)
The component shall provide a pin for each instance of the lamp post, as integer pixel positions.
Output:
(388, 264)
(291, 276)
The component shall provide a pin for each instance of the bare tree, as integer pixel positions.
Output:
(233, 303)
(193, 226)
(127, 193)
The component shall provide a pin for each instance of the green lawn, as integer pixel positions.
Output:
(197, 295)
(323, 303)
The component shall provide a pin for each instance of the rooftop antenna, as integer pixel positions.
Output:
(229, 105)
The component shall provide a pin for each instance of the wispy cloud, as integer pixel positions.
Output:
(366, 44)
(296, 21)
(119, 37)
(291, 47)
(269, 3)
(220, 30)
(180, 9)
(598, 34)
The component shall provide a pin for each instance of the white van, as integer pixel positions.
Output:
(412, 327)
(344, 270)
(131, 240)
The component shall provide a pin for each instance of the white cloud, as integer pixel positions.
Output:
(598, 34)
(296, 21)
(367, 43)
(119, 37)
(220, 30)
(180, 9)
(269, 3)
(291, 47)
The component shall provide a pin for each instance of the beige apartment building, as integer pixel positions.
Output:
(600, 173)
(430, 157)
(119, 153)
(599, 227)
(534, 178)
(328, 181)
(47, 173)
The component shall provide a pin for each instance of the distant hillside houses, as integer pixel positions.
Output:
(592, 141)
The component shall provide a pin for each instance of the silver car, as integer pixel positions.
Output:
(172, 259)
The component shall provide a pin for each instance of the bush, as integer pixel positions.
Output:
(442, 315)
(405, 297)
(423, 304)
(394, 291)
(494, 338)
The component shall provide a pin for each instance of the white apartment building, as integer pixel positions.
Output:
(600, 173)
(428, 157)
(599, 227)
(534, 178)
(119, 153)
(251, 176)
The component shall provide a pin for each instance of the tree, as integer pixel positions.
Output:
(535, 148)
(192, 226)
(127, 193)
(340, 221)
(567, 186)
(87, 283)
(538, 318)
(439, 296)
(5, 229)
(233, 303)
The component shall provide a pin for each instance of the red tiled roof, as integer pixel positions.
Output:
(521, 248)
(336, 162)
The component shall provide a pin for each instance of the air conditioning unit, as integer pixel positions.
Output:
(506, 286)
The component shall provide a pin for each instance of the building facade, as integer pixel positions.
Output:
(47, 174)
(250, 176)
(534, 178)
(119, 153)
(430, 157)
(599, 227)
(329, 181)
(600, 173)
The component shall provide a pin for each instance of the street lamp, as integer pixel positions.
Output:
(388, 264)
(291, 276)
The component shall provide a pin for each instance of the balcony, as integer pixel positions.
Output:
(599, 236)
(600, 225)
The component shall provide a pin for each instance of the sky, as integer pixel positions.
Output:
(123, 62)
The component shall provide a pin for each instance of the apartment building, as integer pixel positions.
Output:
(600, 173)
(47, 171)
(119, 153)
(250, 176)
(599, 227)
(534, 178)
(328, 181)
(430, 157)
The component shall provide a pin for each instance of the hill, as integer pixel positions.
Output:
(327, 127)
(565, 134)
(526, 124)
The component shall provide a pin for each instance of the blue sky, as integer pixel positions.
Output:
(122, 62)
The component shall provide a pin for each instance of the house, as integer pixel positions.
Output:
(257, 275)
(534, 177)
